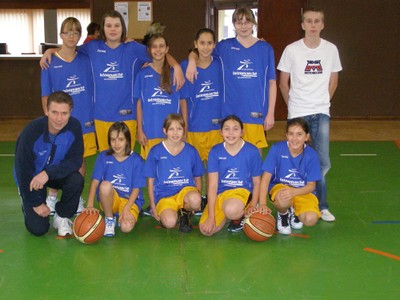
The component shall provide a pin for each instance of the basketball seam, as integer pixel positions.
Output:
(256, 229)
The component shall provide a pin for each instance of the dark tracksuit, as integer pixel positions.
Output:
(61, 159)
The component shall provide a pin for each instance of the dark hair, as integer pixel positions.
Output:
(60, 97)
(113, 14)
(246, 12)
(171, 118)
(120, 127)
(298, 122)
(233, 118)
(165, 83)
(92, 28)
(205, 30)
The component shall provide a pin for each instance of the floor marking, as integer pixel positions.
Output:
(386, 222)
(304, 236)
(397, 142)
(392, 256)
(7, 155)
(1, 251)
(358, 154)
(176, 227)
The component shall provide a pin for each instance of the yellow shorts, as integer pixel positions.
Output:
(89, 144)
(174, 202)
(119, 204)
(239, 193)
(144, 150)
(255, 134)
(102, 133)
(301, 204)
(204, 141)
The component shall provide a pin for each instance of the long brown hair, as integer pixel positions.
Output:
(113, 14)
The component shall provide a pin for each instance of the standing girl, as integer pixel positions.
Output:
(234, 169)
(291, 171)
(157, 97)
(117, 181)
(249, 78)
(115, 64)
(173, 169)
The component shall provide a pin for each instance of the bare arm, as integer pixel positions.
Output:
(333, 83)
(269, 121)
(179, 78)
(284, 86)
(46, 58)
(191, 70)
(150, 190)
(198, 183)
(141, 137)
(91, 196)
(44, 104)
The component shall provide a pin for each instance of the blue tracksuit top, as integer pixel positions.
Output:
(35, 152)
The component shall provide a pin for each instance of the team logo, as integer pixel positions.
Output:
(175, 173)
(111, 67)
(112, 72)
(72, 81)
(158, 92)
(313, 67)
(206, 86)
(117, 179)
(232, 173)
(293, 174)
(244, 64)
(245, 70)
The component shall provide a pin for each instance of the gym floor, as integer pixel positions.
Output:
(357, 256)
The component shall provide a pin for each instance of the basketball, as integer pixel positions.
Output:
(259, 227)
(89, 228)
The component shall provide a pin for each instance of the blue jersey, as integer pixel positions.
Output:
(156, 103)
(235, 171)
(74, 78)
(124, 176)
(247, 72)
(172, 173)
(205, 98)
(292, 171)
(113, 72)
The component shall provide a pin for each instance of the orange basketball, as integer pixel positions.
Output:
(259, 227)
(89, 228)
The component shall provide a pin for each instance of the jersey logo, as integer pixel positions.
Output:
(72, 81)
(245, 70)
(175, 173)
(206, 86)
(245, 64)
(313, 67)
(158, 92)
(292, 174)
(112, 67)
(112, 72)
(117, 179)
(232, 173)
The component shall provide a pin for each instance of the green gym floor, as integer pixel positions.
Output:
(356, 257)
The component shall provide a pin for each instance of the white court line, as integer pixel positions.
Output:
(6, 155)
(358, 154)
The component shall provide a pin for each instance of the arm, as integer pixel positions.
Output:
(269, 121)
(284, 86)
(191, 71)
(150, 190)
(179, 78)
(184, 113)
(44, 104)
(126, 211)
(333, 83)
(198, 183)
(289, 193)
(264, 185)
(46, 58)
(209, 224)
(91, 196)
(141, 137)
(252, 207)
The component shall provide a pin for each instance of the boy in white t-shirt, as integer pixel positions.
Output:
(308, 80)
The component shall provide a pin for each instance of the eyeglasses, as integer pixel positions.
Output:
(245, 24)
(71, 33)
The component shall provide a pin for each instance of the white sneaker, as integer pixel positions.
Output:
(283, 225)
(110, 227)
(63, 225)
(295, 223)
(81, 206)
(327, 216)
(51, 203)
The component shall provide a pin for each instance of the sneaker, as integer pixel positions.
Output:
(51, 203)
(110, 227)
(327, 216)
(184, 221)
(236, 225)
(63, 225)
(202, 206)
(81, 206)
(295, 223)
(147, 211)
(283, 225)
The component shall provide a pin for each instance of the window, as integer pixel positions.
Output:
(26, 27)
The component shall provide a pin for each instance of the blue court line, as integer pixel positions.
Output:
(386, 222)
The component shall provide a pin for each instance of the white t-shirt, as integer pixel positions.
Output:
(310, 71)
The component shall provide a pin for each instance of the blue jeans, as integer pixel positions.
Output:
(319, 131)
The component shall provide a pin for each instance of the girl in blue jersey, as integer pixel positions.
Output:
(249, 78)
(117, 181)
(173, 169)
(115, 64)
(234, 170)
(70, 72)
(157, 97)
(291, 170)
